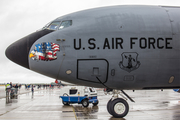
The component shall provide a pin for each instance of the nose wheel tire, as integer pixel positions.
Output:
(118, 107)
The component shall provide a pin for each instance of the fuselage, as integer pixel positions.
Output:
(119, 47)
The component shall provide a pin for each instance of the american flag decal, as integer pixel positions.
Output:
(45, 51)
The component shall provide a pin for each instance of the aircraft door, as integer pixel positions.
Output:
(93, 70)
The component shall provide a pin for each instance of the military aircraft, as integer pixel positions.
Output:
(119, 48)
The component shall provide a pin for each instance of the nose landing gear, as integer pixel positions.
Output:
(118, 107)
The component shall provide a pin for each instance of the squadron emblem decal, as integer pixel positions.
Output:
(129, 61)
(45, 51)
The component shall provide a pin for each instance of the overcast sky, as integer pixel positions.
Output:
(19, 18)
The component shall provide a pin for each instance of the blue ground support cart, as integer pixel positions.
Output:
(79, 94)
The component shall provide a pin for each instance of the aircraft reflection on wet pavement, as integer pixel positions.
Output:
(117, 48)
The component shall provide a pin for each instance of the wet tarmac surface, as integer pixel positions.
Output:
(46, 105)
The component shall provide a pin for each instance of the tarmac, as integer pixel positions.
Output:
(45, 104)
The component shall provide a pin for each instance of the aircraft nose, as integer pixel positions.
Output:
(19, 50)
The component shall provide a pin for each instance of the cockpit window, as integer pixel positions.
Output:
(65, 24)
(57, 25)
(46, 26)
(54, 25)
